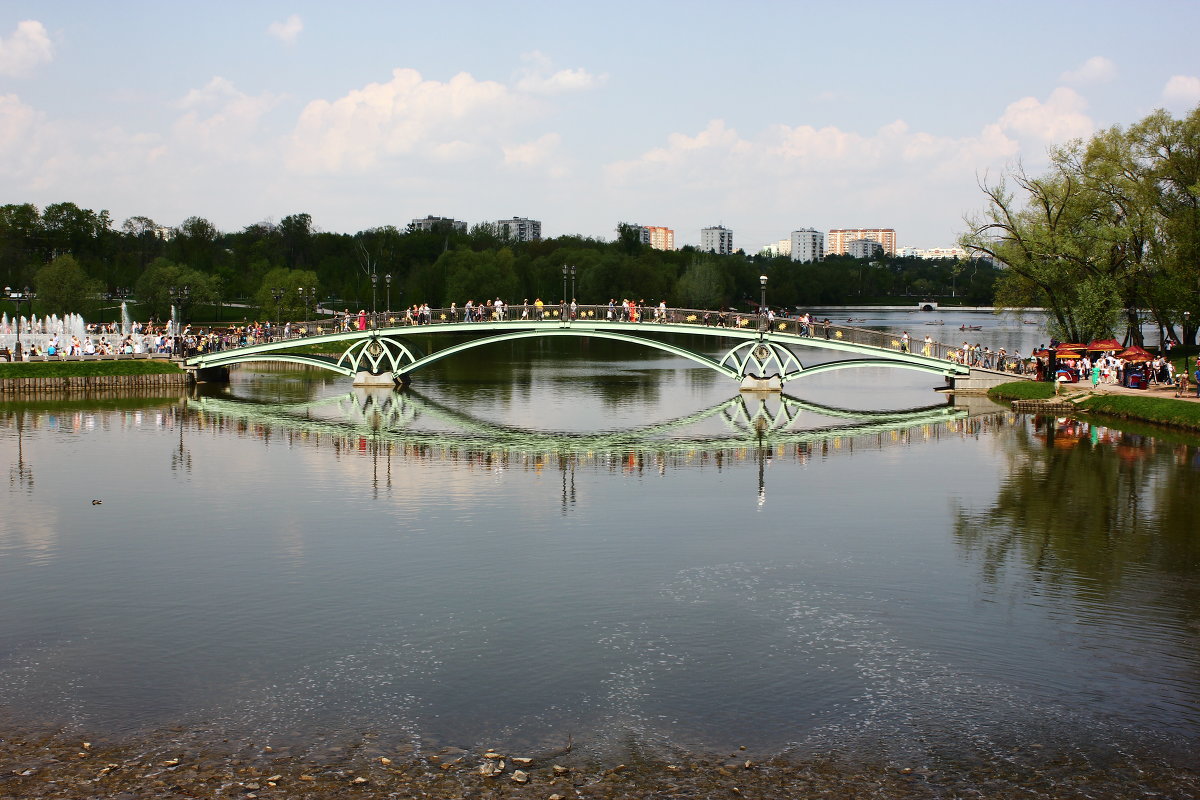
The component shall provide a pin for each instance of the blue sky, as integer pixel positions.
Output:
(762, 116)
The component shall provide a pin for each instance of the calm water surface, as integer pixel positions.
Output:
(587, 540)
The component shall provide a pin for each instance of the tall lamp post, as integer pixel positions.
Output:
(374, 283)
(1187, 368)
(277, 295)
(388, 280)
(567, 270)
(17, 297)
(762, 305)
(179, 297)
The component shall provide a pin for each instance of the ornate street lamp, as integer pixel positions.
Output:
(277, 294)
(17, 297)
(1186, 357)
(567, 271)
(388, 280)
(374, 283)
(762, 305)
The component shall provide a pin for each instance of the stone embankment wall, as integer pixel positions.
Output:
(91, 382)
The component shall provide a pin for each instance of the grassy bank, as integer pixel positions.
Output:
(1163, 411)
(86, 369)
(1022, 390)
(1156, 410)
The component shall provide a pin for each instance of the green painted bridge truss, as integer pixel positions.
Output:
(754, 353)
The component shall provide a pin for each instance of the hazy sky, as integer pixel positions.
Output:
(762, 116)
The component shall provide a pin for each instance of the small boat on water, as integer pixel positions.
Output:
(970, 327)
(1029, 322)
(938, 322)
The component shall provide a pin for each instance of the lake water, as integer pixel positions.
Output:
(588, 540)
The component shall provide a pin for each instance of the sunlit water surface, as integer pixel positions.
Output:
(596, 543)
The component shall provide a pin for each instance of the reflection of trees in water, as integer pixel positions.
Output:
(1095, 510)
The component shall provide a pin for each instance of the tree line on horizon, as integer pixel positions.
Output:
(78, 261)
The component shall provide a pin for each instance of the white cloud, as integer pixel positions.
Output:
(542, 153)
(288, 30)
(408, 115)
(1096, 69)
(28, 47)
(534, 79)
(1182, 91)
(219, 118)
(1057, 120)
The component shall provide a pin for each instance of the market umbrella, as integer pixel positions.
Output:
(1106, 345)
(1135, 353)
(1065, 347)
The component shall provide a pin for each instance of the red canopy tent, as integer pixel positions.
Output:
(1135, 353)
(1105, 345)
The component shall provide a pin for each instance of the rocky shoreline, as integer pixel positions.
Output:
(57, 765)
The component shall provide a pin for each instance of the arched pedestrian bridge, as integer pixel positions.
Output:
(758, 355)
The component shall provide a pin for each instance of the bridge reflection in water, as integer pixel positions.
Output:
(383, 423)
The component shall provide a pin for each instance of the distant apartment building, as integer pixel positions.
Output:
(432, 223)
(863, 248)
(932, 252)
(781, 248)
(164, 233)
(643, 233)
(806, 244)
(717, 240)
(839, 239)
(519, 229)
(661, 238)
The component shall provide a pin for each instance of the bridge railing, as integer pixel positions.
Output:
(647, 315)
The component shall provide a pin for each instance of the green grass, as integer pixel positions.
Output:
(78, 369)
(1022, 390)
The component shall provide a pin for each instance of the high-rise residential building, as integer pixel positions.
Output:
(807, 244)
(643, 233)
(863, 248)
(717, 240)
(661, 238)
(520, 229)
(932, 252)
(839, 239)
(431, 223)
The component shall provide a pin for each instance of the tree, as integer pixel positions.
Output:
(1109, 230)
(287, 283)
(64, 288)
(702, 286)
(165, 284)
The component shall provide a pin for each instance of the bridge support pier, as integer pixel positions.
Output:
(753, 383)
(209, 375)
(366, 378)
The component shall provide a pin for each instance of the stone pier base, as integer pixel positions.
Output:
(369, 379)
(753, 383)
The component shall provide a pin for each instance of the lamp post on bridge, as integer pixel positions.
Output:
(388, 280)
(762, 305)
(374, 283)
(567, 270)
